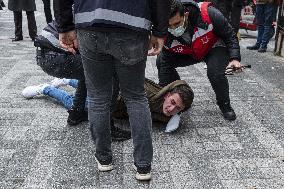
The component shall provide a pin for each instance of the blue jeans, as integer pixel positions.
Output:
(264, 18)
(61, 96)
(105, 54)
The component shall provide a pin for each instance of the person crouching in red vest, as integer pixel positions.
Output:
(196, 33)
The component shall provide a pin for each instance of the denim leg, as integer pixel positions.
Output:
(60, 96)
(80, 96)
(99, 69)
(260, 23)
(268, 19)
(132, 79)
(99, 84)
(73, 83)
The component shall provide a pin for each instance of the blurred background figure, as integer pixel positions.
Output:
(17, 6)
(47, 11)
(231, 9)
(264, 16)
(1, 4)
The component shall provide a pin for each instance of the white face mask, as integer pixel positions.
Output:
(177, 32)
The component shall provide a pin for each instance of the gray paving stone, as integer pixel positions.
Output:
(39, 150)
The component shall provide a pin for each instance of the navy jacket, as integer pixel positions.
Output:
(138, 15)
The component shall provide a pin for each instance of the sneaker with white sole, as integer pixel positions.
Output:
(57, 82)
(143, 173)
(32, 91)
(104, 166)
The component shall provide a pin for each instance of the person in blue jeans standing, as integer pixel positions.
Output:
(264, 17)
(113, 37)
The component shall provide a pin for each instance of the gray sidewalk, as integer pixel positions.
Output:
(39, 150)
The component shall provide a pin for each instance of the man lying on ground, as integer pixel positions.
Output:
(164, 102)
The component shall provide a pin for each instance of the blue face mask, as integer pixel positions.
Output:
(177, 32)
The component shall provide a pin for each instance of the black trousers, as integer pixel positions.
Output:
(231, 9)
(47, 11)
(18, 18)
(65, 66)
(216, 60)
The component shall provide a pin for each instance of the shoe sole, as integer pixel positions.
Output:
(142, 177)
(104, 168)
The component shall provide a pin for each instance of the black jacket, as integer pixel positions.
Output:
(221, 29)
(22, 5)
(160, 10)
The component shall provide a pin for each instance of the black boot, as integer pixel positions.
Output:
(118, 134)
(254, 47)
(228, 111)
(76, 116)
(17, 38)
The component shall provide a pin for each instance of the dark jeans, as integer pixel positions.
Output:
(264, 18)
(216, 60)
(65, 66)
(47, 11)
(18, 18)
(105, 53)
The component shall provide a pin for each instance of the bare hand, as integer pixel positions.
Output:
(155, 46)
(69, 41)
(235, 65)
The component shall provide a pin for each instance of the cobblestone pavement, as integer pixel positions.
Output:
(38, 149)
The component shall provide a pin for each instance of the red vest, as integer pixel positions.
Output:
(202, 40)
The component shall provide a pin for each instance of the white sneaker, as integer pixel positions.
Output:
(57, 82)
(104, 167)
(32, 91)
(173, 124)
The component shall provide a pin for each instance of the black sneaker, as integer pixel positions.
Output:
(118, 134)
(104, 166)
(76, 116)
(228, 112)
(254, 47)
(143, 173)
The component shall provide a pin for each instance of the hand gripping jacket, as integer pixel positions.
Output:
(202, 40)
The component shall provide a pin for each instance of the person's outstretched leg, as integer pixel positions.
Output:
(59, 95)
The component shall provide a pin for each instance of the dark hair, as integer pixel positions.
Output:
(186, 94)
(176, 7)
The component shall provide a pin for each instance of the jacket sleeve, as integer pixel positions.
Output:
(63, 15)
(160, 10)
(224, 30)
